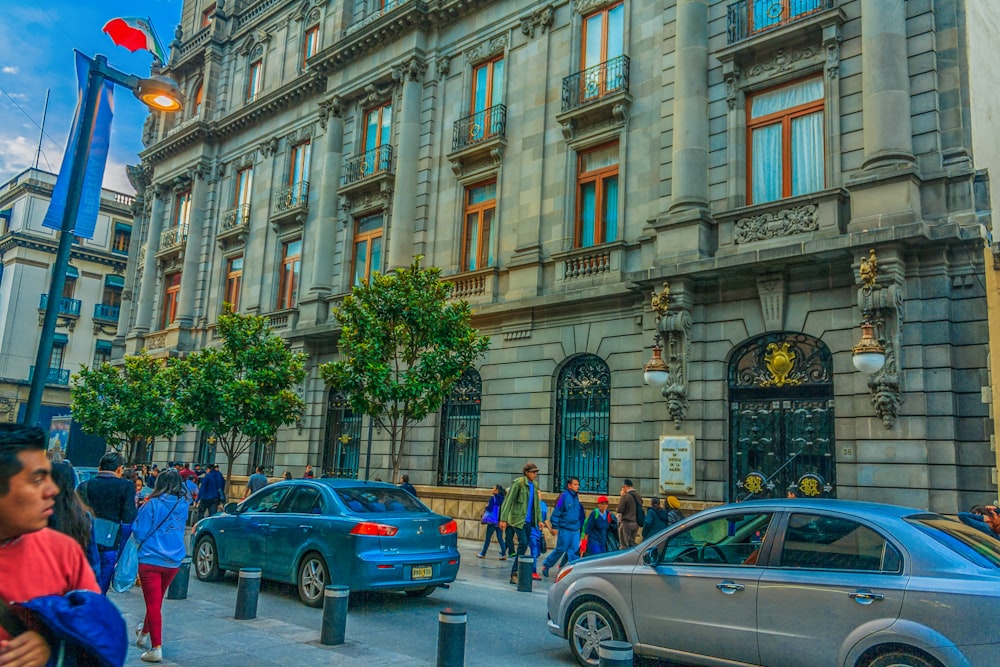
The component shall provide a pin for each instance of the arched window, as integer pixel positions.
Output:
(583, 424)
(458, 454)
(342, 443)
(199, 94)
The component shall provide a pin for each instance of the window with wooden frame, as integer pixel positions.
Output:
(199, 95)
(244, 184)
(597, 196)
(785, 141)
(310, 45)
(121, 238)
(367, 247)
(487, 93)
(172, 287)
(298, 168)
(254, 74)
(603, 41)
(182, 209)
(102, 353)
(234, 282)
(206, 16)
(58, 356)
(69, 286)
(288, 280)
(112, 295)
(479, 227)
(378, 133)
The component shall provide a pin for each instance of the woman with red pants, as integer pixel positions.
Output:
(159, 530)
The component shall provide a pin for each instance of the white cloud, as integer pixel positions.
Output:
(16, 154)
(9, 69)
(20, 97)
(115, 177)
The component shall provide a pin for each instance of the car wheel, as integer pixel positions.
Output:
(313, 578)
(590, 624)
(899, 657)
(421, 592)
(206, 560)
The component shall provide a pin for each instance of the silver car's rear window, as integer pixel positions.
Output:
(368, 500)
(966, 541)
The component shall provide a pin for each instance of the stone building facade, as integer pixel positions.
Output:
(561, 161)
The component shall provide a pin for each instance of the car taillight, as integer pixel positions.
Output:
(375, 529)
(449, 528)
(563, 572)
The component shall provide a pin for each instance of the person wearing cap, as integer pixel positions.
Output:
(521, 510)
(674, 514)
(597, 528)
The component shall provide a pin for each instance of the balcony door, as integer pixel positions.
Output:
(487, 92)
(603, 42)
(378, 133)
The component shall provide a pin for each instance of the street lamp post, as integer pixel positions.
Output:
(157, 92)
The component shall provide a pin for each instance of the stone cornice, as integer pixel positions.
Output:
(47, 245)
(198, 132)
(307, 84)
(42, 189)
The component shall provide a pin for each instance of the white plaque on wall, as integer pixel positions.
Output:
(677, 464)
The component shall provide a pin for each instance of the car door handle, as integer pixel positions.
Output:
(865, 597)
(305, 526)
(730, 587)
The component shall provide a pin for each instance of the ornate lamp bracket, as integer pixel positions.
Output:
(880, 299)
(673, 324)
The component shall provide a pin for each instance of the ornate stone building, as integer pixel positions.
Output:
(561, 161)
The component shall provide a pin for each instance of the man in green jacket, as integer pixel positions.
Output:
(522, 511)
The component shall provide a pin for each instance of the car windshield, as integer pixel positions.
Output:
(966, 541)
(369, 500)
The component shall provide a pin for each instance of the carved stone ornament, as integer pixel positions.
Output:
(732, 86)
(375, 93)
(411, 70)
(781, 223)
(588, 6)
(331, 107)
(487, 49)
(268, 147)
(304, 133)
(833, 56)
(539, 20)
(782, 61)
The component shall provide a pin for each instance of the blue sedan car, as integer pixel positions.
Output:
(318, 532)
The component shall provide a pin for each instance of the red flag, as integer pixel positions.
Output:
(135, 33)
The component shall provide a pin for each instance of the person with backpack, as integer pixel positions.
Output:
(657, 519)
(631, 516)
(598, 529)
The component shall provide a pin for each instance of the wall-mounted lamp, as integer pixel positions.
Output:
(656, 372)
(868, 355)
(673, 327)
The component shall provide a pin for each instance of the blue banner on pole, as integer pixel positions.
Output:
(90, 200)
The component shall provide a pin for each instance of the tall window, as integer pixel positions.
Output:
(583, 423)
(234, 281)
(206, 16)
(182, 209)
(603, 41)
(487, 92)
(378, 132)
(478, 235)
(458, 453)
(172, 287)
(787, 153)
(367, 248)
(244, 183)
(121, 240)
(288, 282)
(597, 196)
(58, 355)
(112, 295)
(254, 73)
(198, 98)
(69, 286)
(102, 353)
(310, 44)
(298, 170)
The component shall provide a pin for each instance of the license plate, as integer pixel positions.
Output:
(421, 572)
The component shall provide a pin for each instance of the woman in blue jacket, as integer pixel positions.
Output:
(159, 531)
(491, 516)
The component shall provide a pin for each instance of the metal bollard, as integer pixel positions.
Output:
(451, 637)
(615, 654)
(247, 593)
(334, 615)
(178, 589)
(525, 566)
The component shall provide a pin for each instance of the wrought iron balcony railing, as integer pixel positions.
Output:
(173, 237)
(482, 126)
(106, 313)
(236, 218)
(747, 18)
(67, 307)
(595, 83)
(293, 197)
(370, 163)
(373, 16)
(54, 376)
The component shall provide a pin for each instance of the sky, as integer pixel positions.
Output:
(37, 38)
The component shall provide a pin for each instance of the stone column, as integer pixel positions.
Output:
(690, 151)
(888, 133)
(186, 301)
(404, 197)
(147, 294)
(312, 307)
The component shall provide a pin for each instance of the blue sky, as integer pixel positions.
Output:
(37, 38)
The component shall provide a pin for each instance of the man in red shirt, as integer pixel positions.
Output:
(34, 559)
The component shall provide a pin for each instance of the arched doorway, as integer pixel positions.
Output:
(458, 449)
(781, 417)
(583, 424)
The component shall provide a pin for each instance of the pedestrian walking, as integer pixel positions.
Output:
(674, 513)
(491, 519)
(112, 500)
(159, 530)
(212, 492)
(404, 483)
(656, 519)
(536, 540)
(70, 516)
(599, 528)
(258, 481)
(629, 506)
(521, 510)
(566, 521)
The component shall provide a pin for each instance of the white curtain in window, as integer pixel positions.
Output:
(611, 209)
(786, 98)
(807, 154)
(767, 167)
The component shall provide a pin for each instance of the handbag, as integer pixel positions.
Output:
(490, 517)
(127, 567)
(106, 533)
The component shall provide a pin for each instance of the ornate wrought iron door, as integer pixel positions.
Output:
(342, 445)
(583, 424)
(781, 417)
(261, 454)
(458, 453)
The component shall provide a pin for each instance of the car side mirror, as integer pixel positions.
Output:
(230, 508)
(649, 557)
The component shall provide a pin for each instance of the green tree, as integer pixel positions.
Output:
(242, 391)
(127, 405)
(403, 345)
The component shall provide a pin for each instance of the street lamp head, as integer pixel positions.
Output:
(160, 93)
(868, 355)
(656, 372)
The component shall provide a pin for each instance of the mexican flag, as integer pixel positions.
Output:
(135, 33)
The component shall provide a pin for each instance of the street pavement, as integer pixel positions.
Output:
(505, 627)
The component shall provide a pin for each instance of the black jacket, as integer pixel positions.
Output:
(111, 498)
(656, 520)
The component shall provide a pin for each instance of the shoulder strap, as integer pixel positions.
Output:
(9, 622)
(159, 525)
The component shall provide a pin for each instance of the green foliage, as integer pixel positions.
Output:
(403, 345)
(128, 406)
(242, 391)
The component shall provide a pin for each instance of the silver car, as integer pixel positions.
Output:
(792, 582)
